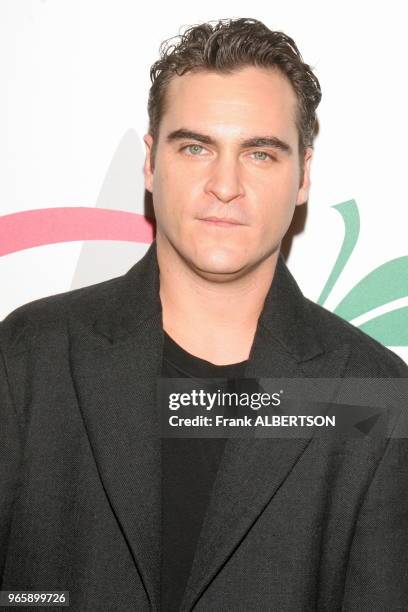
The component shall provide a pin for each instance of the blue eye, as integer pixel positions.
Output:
(267, 156)
(193, 148)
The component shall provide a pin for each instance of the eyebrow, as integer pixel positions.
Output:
(255, 141)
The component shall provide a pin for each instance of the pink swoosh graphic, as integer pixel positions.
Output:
(31, 228)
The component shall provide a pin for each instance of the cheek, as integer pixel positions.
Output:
(275, 207)
(176, 201)
(177, 183)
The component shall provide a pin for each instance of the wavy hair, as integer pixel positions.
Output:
(229, 44)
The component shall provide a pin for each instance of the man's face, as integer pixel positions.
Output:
(210, 161)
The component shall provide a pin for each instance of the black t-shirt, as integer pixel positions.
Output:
(189, 467)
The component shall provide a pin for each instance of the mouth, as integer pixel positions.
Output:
(221, 221)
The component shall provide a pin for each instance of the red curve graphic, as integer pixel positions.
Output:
(31, 228)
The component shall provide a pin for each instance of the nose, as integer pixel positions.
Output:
(224, 181)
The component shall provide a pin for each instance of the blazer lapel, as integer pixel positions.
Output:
(251, 471)
(115, 364)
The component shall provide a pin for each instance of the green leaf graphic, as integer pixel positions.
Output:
(351, 219)
(391, 328)
(384, 284)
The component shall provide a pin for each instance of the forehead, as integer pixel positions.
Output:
(247, 100)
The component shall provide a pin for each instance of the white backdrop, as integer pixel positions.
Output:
(73, 95)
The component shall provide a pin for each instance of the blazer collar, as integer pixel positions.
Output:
(136, 300)
(285, 314)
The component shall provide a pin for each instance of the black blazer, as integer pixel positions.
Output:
(293, 525)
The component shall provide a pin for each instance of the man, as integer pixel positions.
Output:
(92, 500)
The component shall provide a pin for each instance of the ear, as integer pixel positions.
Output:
(148, 164)
(303, 193)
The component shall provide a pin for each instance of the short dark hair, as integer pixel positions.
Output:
(229, 44)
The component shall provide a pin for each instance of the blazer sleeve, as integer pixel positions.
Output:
(10, 455)
(377, 574)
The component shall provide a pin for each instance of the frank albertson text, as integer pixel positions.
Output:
(274, 420)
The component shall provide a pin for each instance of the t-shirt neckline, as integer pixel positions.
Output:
(196, 366)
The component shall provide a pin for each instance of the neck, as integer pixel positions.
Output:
(210, 319)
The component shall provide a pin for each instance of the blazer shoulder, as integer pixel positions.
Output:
(52, 312)
(368, 357)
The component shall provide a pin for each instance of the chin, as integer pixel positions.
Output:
(219, 262)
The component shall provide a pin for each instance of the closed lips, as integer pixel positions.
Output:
(222, 220)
